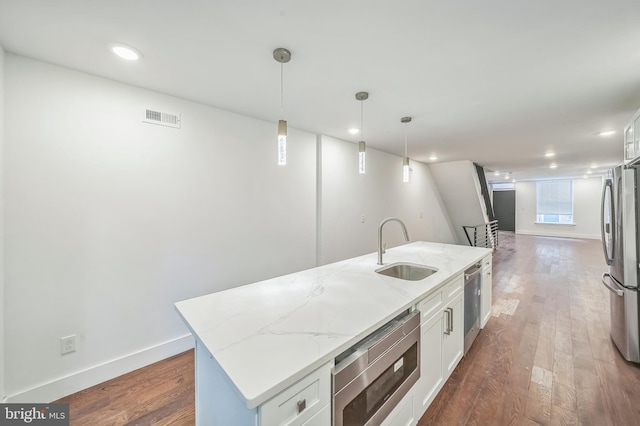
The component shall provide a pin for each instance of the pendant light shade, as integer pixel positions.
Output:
(361, 157)
(283, 56)
(362, 146)
(405, 169)
(282, 142)
(405, 162)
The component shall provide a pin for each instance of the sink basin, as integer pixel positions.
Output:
(407, 271)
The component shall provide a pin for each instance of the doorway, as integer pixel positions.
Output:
(504, 208)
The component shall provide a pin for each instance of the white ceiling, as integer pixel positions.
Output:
(497, 82)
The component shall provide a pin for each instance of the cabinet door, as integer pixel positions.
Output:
(299, 402)
(402, 414)
(485, 298)
(323, 418)
(431, 378)
(453, 339)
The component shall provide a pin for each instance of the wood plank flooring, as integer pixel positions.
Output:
(544, 358)
(550, 361)
(160, 394)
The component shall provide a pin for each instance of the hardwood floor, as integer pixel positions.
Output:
(160, 394)
(545, 356)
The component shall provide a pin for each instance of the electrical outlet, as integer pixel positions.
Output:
(67, 344)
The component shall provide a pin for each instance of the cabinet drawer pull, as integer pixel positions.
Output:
(450, 319)
(447, 331)
(302, 404)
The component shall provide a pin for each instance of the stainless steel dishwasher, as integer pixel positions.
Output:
(472, 286)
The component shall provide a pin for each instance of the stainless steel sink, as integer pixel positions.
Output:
(407, 271)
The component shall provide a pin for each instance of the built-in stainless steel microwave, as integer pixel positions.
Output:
(371, 378)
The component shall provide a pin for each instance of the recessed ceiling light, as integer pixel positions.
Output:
(126, 52)
(553, 166)
(589, 172)
(607, 133)
(584, 177)
(433, 158)
(593, 166)
(496, 173)
(354, 131)
(513, 180)
(549, 154)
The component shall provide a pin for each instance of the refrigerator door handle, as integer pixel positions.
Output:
(617, 291)
(608, 186)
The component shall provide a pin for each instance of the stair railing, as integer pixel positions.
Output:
(483, 235)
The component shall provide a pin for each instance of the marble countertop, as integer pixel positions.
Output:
(270, 334)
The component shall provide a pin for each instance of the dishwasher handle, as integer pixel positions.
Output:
(472, 272)
(617, 291)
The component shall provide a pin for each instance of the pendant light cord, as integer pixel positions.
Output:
(405, 140)
(281, 90)
(361, 120)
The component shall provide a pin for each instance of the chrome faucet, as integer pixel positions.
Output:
(381, 249)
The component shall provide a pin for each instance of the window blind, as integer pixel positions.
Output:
(554, 197)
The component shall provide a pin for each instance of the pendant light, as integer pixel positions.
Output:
(362, 146)
(405, 162)
(283, 56)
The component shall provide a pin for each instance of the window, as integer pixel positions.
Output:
(554, 201)
(503, 186)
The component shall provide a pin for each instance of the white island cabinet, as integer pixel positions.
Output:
(485, 292)
(305, 403)
(265, 351)
(442, 341)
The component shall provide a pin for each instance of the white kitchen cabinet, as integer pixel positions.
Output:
(486, 289)
(442, 340)
(322, 418)
(298, 404)
(305, 403)
(402, 414)
(431, 373)
(453, 335)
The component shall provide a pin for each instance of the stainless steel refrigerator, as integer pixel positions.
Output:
(620, 245)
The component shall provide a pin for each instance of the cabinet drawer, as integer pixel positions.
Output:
(300, 402)
(453, 287)
(487, 263)
(430, 306)
(323, 418)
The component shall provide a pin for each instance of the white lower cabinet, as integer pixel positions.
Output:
(453, 337)
(299, 403)
(442, 341)
(485, 292)
(322, 418)
(307, 402)
(431, 376)
(403, 414)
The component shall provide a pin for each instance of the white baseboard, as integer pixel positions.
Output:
(559, 234)
(92, 376)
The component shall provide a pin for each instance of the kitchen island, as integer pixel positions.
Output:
(258, 341)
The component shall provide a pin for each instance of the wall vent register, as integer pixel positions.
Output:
(162, 118)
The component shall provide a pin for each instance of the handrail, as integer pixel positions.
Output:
(484, 235)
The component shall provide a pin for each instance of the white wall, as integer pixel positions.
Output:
(586, 211)
(2, 305)
(346, 195)
(109, 221)
(459, 186)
